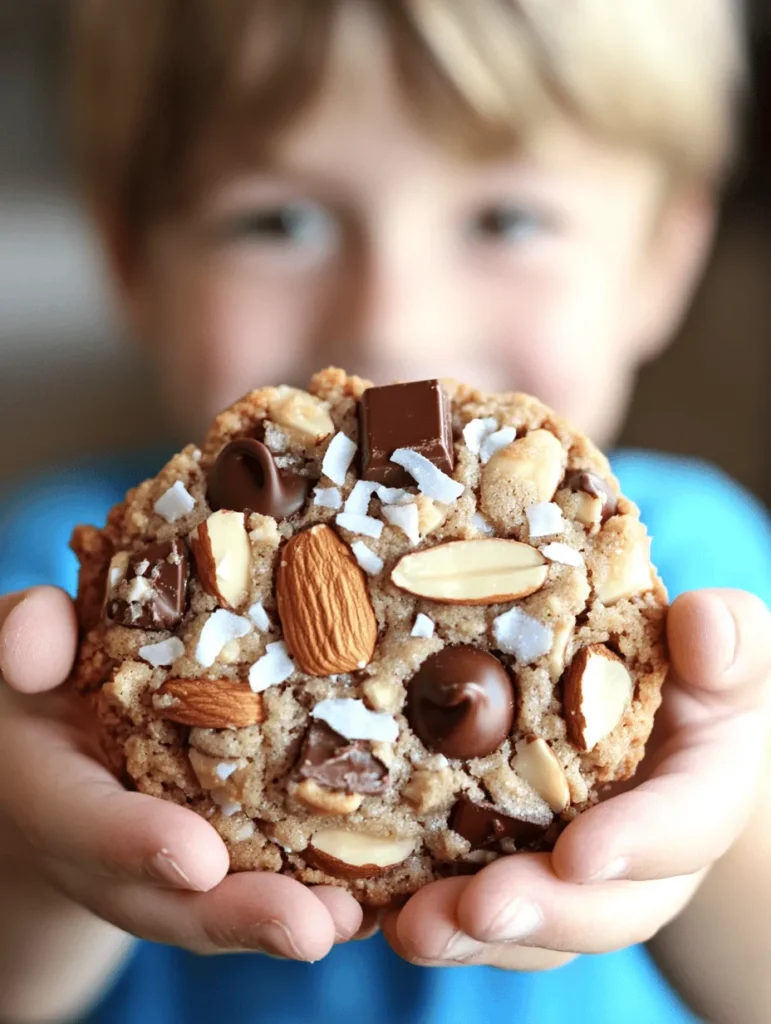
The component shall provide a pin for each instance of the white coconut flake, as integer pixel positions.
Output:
(404, 518)
(274, 667)
(338, 457)
(139, 590)
(225, 769)
(175, 503)
(358, 500)
(545, 519)
(354, 720)
(494, 442)
(219, 629)
(245, 831)
(475, 432)
(393, 495)
(259, 616)
(557, 552)
(481, 525)
(225, 802)
(327, 497)
(431, 481)
(365, 525)
(424, 626)
(371, 563)
(163, 653)
(520, 634)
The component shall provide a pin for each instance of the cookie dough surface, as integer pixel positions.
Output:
(375, 638)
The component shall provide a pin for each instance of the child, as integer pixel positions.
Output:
(515, 193)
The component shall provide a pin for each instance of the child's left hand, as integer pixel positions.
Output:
(625, 868)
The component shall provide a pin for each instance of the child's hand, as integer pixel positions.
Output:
(700, 777)
(150, 867)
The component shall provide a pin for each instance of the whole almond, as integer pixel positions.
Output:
(487, 570)
(209, 703)
(324, 605)
(223, 557)
(597, 690)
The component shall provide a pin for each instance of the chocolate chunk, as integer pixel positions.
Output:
(335, 762)
(153, 593)
(245, 478)
(415, 416)
(594, 485)
(461, 702)
(484, 825)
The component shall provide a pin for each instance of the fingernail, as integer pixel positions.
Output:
(516, 920)
(616, 868)
(274, 938)
(460, 947)
(165, 869)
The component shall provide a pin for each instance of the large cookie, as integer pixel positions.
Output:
(375, 635)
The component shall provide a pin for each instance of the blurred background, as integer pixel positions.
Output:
(68, 386)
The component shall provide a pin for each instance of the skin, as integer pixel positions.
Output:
(390, 270)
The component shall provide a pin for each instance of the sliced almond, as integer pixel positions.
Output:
(211, 772)
(209, 703)
(326, 801)
(301, 413)
(487, 570)
(223, 557)
(588, 509)
(536, 460)
(597, 690)
(537, 763)
(622, 563)
(355, 854)
(555, 661)
(430, 516)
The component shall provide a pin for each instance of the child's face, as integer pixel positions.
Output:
(367, 245)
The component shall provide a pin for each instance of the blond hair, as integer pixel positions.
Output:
(153, 78)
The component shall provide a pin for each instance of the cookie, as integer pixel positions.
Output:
(375, 635)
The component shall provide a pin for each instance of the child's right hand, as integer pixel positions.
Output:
(152, 868)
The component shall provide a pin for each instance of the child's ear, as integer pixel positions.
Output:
(127, 269)
(675, 262)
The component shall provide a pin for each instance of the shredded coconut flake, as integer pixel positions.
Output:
(354, 720)
(337, 458)
(259, 617)
(225, 802)
(225, 769)
(475, 432)
(365, 525)
(371, 563)
(327, 497)
(494, 442)
(163, 653)
(405, 518)
(393, 495)
(557, 552)
(274, 667)
(245, 831)
(481, 525)
(424, 626)
(219, 629)
(520, 634)
(175, 503)
(545, 519)
(358, 500)
(431, 481)
(139, 589)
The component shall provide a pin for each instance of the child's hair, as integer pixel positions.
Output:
(153, 79)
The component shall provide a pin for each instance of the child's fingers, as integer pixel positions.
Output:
(682, 818)
(38, 639)
(345, 911)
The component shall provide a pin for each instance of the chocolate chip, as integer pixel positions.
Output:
(415, 416)
(245, 478)
(592, 484)
(484, 825)
(461, 702)
(333, 761)
(153, 593)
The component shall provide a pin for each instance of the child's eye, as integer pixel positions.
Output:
(510, 224)
(299, 224)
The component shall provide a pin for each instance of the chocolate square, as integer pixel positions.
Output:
(416, 416)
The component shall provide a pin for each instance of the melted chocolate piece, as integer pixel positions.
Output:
(461, 702)
(245, 478)
(484, 825)
(415, 416)
(337, 763)
(590, 483)
(158, 603)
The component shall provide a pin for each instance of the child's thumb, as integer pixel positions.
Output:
(38, 639)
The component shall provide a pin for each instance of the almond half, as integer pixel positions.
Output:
(597, 690)
(209, 703)
(355, 854)
(537, 764)
(223, 557)
(324, 605)
(301, 413)
(487, 570)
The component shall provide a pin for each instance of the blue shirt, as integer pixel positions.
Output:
(691, 510)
